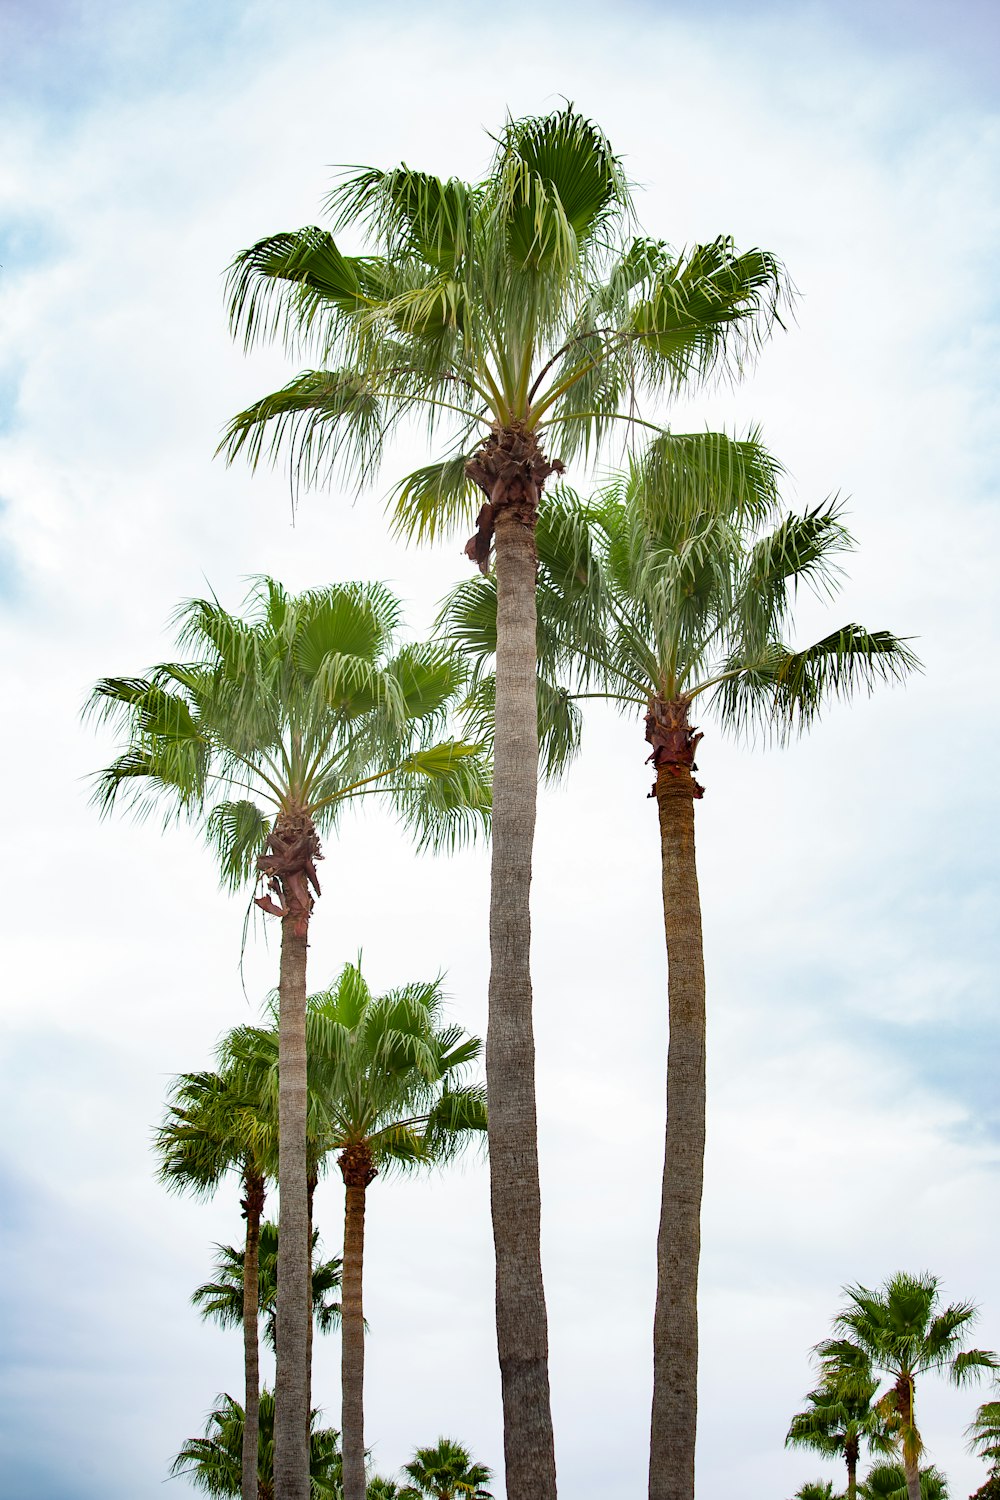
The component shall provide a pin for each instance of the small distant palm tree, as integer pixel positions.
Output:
(816, 1489)
(273, 726)
(447, 1472)
(837, 1421)
(900, 1330)
(212, 1463)
(388, 1072)
(984, 1442)
(221, 1300)
(889, 1482)
(216, 1123)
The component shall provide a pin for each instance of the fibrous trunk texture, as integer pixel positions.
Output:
(291, 1386)
(675, 1326)
(851, 1455)
(904, 1392)
(358, 1171)
(253, 1207)
(311, 1181)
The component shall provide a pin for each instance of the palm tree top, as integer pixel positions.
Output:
(901, 1327)
(527, 301)
(300, 707)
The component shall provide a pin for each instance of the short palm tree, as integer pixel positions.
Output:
(984, 1436)
(222, 1300)
(900, 1330)
(837, 1421)
(274, 725)
(675, 582)
(889, 1482)
(217, 1123)
(816, 1489)
(447, 1472)
(212, 1463)
(387, 1071)
(524, 318)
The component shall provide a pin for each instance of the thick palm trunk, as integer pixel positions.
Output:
(291, 1400)
(675, 1326)
(522, 1329)
(358, 1171)
(253, 1208)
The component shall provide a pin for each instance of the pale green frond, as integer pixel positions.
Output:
(444, 796)
(237, 832)
(325, 418)
(434, 500)
(429, 676)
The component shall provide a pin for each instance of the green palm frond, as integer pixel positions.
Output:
(328, 420)
(434, 500)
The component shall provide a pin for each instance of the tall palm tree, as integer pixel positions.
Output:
(525, 319)
(274, 725)
(900, 1330)
(215, 1123)
(212, 1462)
(889, 1482)
(222, 1300)
(447, 1472)
(837, 1421)
(678, 582)
(388, 1072)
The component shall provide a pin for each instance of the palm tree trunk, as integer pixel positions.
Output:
(912, 1471)
(522, 1329)
(291, 1411)
(357, 1169)
(311, 1190)
(851, 1457)
(675, 1326)
(253, 1208)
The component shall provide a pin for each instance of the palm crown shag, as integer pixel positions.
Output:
(900, 1330)
(274, 725)
(217, 1122)
(676, 581)
(387, 1074)
(525, 319)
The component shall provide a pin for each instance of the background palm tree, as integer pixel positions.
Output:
(816, 1489)
(221, 1300)
(837, 1421)
(523, 316)
(212, 1462)
(447, 1472)
(215, 1123)
(900, 1330)
(387, 1071)
(984, 1438)
(678, 581)
(275, 724)
(889, 1482)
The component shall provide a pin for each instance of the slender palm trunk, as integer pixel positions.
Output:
(522, 1329)
(905, 1396)
(358, 1171)
(851, 1455)
(912, 1471)
(311, 1190)
(253, 1208)
(675, 1326)
(291, 1408)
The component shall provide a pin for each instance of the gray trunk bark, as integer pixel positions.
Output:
(911, 1469)
(291, 1400)
(352, 1346)
(675, 1326)
(254, 1200)
(522, 1329)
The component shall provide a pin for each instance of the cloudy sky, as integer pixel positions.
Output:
(849, 882)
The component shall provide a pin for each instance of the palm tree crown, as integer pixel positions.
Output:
(447, 1472)
(222, 1299)
(212, 1462)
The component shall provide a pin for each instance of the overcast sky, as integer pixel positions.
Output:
(849, 882)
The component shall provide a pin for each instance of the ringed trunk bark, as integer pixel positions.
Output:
(291, 1400)
(522, 1328)
(253, 1208)
(675, 1325)
(358, 1171)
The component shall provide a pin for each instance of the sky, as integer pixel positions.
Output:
(849, 881)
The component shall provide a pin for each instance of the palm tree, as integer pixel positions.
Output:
(523, 315)
(447, 1472)
(984, 1438)
(215, 1123)
(667, 587)
(837, 1421)
(900, 1330)
(816, 1489)
(221, 1300)
(276, 723)
(212, 1462)
(387, 1070)
(889, 1482)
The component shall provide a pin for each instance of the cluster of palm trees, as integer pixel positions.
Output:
(898, 1333)
(526, 320)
